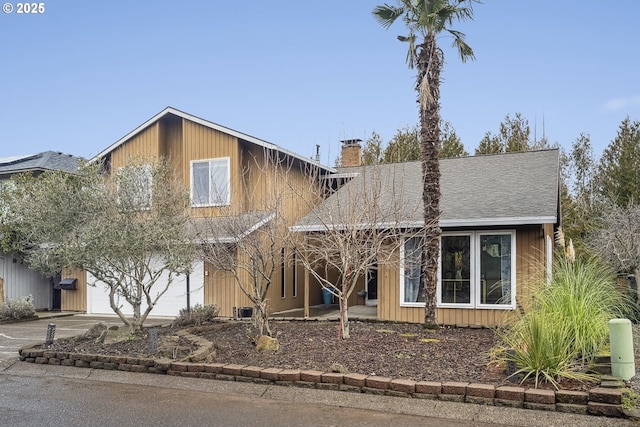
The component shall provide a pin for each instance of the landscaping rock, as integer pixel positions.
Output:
(266, 343)
(95, 331)
(123, 333)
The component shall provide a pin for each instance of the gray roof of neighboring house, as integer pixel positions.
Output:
(48, 160)
(490, 190)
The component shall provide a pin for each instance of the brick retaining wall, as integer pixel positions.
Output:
(597, 401)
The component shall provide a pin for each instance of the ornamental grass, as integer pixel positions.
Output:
(567, 324)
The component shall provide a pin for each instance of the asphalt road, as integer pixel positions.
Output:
(47, 395)
(54, 401)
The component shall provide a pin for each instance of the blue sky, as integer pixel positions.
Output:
(85, 73)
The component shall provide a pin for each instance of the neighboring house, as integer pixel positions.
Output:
(16, 279)
(219, 165)
(499, 216)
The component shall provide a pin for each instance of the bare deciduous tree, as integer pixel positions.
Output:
(246, 239)
(360, 227)
(617, 240)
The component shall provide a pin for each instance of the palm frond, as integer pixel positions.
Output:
(464, 50)
(386, 14)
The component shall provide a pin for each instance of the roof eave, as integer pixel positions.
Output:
(483, 222)
(492, 222)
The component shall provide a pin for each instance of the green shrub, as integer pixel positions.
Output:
(17, 309)
(197, 315)
(567, 324)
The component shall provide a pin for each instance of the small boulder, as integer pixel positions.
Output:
(338, 368)
(123, 333)
(95, 331)
(266, 343)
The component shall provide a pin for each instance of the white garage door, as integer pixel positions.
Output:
(169, 304)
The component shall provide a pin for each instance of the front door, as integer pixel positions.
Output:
(372, 287)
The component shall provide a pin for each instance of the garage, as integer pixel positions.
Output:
(169, 304)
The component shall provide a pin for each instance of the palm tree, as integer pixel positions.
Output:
(427, 19)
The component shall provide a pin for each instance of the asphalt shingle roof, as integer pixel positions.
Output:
(48, 160)
(501, 189)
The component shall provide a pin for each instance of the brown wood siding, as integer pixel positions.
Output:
(201, 143)
(256, 177)
(144, 145)
(529, 259)
(253, 180)
(75, 300)
(267, 185)
(219, 289)
(171, 147)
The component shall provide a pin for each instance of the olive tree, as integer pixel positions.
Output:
(128, 229)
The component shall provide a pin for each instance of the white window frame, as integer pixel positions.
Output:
(402, 263)
(512, 304)
(295, 275)
(283, 274)
(475, 252)
(472, 268)
(213, 199)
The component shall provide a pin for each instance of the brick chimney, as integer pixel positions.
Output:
(351, 152)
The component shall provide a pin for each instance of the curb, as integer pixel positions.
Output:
(598, 401)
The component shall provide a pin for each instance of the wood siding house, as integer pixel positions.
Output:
(16, 279)
(499, 216)
(239, 162)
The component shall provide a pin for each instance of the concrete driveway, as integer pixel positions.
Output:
(14, 336)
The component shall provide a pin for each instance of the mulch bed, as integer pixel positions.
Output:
(375, 348)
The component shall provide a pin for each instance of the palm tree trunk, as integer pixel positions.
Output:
(429, 66)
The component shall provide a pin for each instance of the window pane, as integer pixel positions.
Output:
(220, 182)
(412, 266)
(495, 269)
(455, 270)
(200, 183)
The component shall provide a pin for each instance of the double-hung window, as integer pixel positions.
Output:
(210, 182)
(476, 270)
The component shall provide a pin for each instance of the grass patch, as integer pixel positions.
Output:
(428, 340)
(385, 331)
(630, 399)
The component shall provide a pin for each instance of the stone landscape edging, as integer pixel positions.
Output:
(597, 401)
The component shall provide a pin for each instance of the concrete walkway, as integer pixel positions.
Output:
(14, 336)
